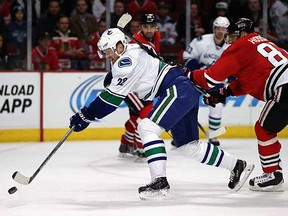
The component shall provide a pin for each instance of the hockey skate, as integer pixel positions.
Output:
(268, 182)
(125, 151)
(214, 141)
(157, 189)
(240, 174)
(139, 155)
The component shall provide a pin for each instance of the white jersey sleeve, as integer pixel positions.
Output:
(191, 51)
(204, 50)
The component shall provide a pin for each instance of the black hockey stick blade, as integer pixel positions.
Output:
(21, 179)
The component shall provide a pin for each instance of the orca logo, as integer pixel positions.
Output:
(124, 62)
(86, 92)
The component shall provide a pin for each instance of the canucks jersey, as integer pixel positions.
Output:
(135, 71)
(203, 50)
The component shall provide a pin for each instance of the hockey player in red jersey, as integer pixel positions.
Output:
(139, 109)
(261, 70)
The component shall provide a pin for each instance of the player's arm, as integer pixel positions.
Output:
(104, 104)
(191, 55)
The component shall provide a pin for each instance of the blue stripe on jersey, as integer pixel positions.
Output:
(206, 153)
(156, 159)
(220, 159)
(152, 143)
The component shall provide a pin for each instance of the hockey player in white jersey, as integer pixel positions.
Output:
(202, 52)
(135, 70)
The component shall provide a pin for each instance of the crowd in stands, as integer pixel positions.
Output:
(71, 28)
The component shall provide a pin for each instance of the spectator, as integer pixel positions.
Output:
(3, 53)
(279, 17)
(5, 7)
(44, 58)
(197, 23)
(48, 21)
(99, 8)
(166, 25)
(138, 7)
(271, 35)
(95, 61)
(119, 10)
(83, 24)
(67, 46)
(3, 27)
(17, 32)
(221, 9)
(35, 10)
(134, 26)
(253, 12)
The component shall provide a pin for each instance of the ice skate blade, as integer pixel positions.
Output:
(125, 155)
(159, 195)
(272, 188)
(247, 172)
(138, 159)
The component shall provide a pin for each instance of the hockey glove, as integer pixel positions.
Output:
(81, 120)
(107, 80)
(217, 96)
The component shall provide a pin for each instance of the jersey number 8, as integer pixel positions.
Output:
(274, 56)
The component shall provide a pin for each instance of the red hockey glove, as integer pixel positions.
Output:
(217, 96)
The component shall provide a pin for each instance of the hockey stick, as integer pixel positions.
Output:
(21, 179)
(123, 21)
(214, 133)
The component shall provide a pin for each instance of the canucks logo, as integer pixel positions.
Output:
(124, 62)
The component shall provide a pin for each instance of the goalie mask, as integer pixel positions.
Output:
(109, 40)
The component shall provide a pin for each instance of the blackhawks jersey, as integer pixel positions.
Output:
(256, 63)
(204, 50)
(155, 44)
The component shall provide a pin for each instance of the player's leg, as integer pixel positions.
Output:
(139, 155)
(127, 146)
(171, 106)
(273, 119)
(185, 134)
(214, 120)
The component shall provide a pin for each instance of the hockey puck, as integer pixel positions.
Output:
(12, 190)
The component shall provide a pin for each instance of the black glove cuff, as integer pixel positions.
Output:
(229, 92)
(85, 116)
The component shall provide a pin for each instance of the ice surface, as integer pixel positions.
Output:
(87, 178)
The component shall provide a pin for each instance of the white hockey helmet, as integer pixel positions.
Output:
(221, 22)
(110, 39)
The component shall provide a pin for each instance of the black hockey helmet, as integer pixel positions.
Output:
(240, 25)
(147, 19)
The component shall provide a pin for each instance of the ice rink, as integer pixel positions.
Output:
(88, 179)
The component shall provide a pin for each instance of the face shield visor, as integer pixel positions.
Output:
(230, 38)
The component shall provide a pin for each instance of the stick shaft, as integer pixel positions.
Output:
(15, 177)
